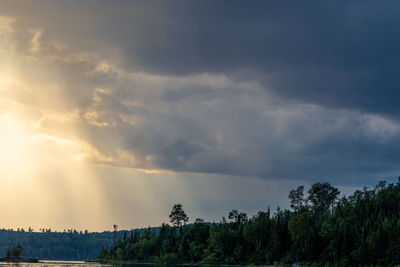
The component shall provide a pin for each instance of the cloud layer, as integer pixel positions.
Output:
(265, 89)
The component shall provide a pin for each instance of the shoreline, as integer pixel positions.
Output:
(19, 260)
(181, 264)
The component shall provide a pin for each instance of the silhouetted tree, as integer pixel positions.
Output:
(178, 215)
(322, 195)
(296, 197)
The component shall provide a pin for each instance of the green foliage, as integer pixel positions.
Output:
(50, 245)
(320, 230)
(322, 195)
(300, 230)
(178, 215)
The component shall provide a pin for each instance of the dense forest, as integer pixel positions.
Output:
(321, 228)
(50, 245)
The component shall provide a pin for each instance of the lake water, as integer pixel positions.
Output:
(68, 264)
(54, 264)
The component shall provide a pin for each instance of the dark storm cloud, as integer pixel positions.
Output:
(340, 54)
(240, 137)
(272, 89)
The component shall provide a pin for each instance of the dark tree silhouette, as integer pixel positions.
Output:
(296, 197)
(178, 215)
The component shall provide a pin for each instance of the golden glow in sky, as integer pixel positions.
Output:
(44, 179)
(90, 137)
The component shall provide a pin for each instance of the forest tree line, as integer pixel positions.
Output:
(320, 228)
(47, 244)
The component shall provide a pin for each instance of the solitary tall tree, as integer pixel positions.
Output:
(178, 215)
(296, 197)
(115, 237)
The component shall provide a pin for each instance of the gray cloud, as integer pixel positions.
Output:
(342, 54)
(248, 133)
(265, 89)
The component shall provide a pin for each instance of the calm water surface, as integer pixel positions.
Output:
(70, 264)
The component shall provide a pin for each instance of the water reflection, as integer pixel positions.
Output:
(54, 264)
(72, 264)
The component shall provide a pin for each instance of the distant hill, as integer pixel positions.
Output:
(71, 245)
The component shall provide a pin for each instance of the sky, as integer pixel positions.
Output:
(113, 111)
